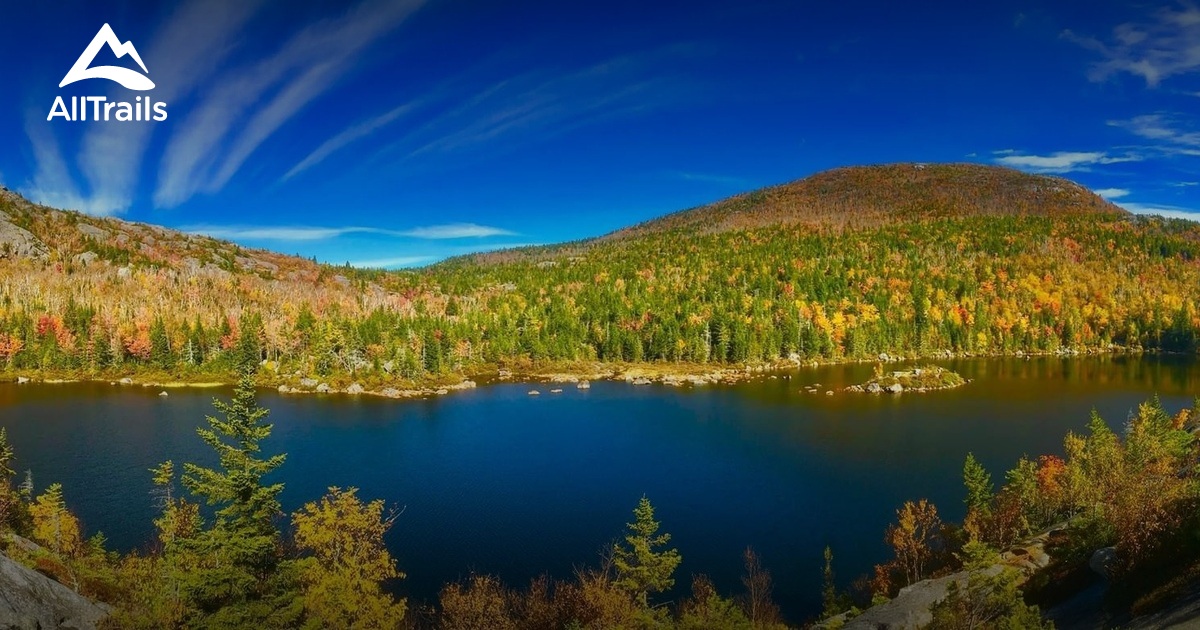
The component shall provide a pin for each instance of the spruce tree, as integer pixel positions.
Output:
(641, 568)
(238, 577)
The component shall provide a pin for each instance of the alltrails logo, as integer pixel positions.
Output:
(99, 107)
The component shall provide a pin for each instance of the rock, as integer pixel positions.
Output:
(32, 600)
(829, 392)
(126, 381)
(641, 381)
(556, 391)
(21, 380)
(85, 259)
(910, 609)
(534, 392)
(308, 383)
(355, 388)
(92, 231)
(874, 388)
(163, 394)
(323, 388)
(504, 374)
(17, 242)
(283, 389)
(884, 357)
(583, 385)
(388, 366)
(442, 392)
(124, 272)
(1103, 561)
(895, 388)
(467, 384)
(390, 392)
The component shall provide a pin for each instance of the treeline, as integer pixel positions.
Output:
(983, 285)
(1132, 497)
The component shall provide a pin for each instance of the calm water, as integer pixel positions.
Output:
(496, 481)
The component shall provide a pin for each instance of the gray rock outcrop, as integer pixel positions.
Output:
(17, 242)
(29, 599)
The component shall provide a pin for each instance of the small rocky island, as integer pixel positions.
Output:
(926, 378)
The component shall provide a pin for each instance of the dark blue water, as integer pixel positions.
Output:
(494, 480)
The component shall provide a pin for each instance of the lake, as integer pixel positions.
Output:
(494, 480)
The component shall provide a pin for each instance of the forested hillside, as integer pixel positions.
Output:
(904, 259)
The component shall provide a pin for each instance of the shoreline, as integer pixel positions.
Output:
(522, 372)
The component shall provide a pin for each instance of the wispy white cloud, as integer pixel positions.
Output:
(341, 140)
(1063, 161)
(455, 230)
(1171, 212)
(1166, 45)
(1112, 193)
(316, 233)
(210, 146)
(1168, 131)
(709, 178)
(186, 51)
(540, 104)
(52, 183)
(391, 263)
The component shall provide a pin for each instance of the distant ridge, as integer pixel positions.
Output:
(864, 196)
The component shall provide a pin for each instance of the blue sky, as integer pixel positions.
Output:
(394, 133)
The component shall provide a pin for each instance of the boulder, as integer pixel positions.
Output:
(283, 389)
(323, 388)
(21, 380)
(641, 381)
(355, 388)
(85, 259)
(390, 392)
(534, 392)
(1103, 561)
(874, 388)
(163, 394)
(443, 391)
(895, 388)
(126, 381)
(308, 383)
(92, 231)
(583, 385)
(32, 600)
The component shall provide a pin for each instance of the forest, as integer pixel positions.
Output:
(113, 299)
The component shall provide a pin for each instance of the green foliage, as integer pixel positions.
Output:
(990, 600)
(978, 482)
(707, 610)
(342, 579)
(642, 566)
(233, 568)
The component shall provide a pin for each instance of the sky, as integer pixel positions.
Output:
(394, 133)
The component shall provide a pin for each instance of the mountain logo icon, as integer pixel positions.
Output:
(130, 79)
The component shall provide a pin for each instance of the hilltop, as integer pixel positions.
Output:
(869, 196)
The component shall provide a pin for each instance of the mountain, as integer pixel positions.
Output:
(867, 196)
(906, 259)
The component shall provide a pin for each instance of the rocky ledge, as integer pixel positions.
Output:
(29, 599)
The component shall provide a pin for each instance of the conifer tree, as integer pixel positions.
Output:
(238, 577)
(643, 569)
